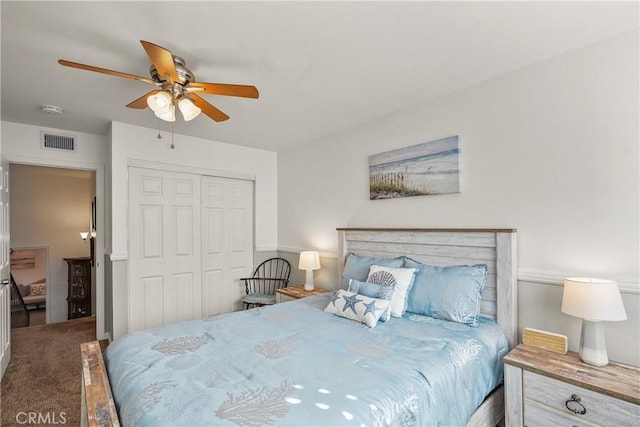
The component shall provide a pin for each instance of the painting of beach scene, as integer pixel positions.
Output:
(420, 170)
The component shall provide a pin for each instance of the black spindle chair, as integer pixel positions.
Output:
(261, 287)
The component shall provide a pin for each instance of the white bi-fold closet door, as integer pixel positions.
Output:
(190, 240)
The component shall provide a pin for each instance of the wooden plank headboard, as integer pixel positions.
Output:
(494, 247)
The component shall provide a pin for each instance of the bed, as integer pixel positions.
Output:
(297, 364)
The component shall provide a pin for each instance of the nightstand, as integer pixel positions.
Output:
(543, 388)
(295, 292)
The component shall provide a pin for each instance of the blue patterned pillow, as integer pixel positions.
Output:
(373, 290)
(449, 293)
(357, 267)
(357, 307)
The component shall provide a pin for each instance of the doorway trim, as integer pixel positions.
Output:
(99, 170)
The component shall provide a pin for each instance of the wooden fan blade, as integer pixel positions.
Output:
(225, 89)
(162, 59)
(142, 101)
(208, 109)
(104, 71)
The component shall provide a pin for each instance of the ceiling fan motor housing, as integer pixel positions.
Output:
(185, 76)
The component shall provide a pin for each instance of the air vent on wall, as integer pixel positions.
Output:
(57, 142)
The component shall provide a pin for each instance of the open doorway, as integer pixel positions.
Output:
(49, 208)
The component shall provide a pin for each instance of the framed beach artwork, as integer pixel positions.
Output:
(22, 259)
(419, 170)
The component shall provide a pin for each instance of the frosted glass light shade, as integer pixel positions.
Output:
(189, 110)
(309, 260)
(160, 102)
(592, 299)
(168, 116)
(84, 235)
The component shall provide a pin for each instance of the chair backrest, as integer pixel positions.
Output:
(19, 313)
(270, 275)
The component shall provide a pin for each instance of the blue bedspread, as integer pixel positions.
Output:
(292, 364)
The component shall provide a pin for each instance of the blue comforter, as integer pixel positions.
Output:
(293, 364)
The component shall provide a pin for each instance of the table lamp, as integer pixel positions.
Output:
(593, 300)
(309, 261)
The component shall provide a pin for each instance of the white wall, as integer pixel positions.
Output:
(136, 145)
(50, 208)
(551, 150)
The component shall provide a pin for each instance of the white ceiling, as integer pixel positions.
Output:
(319, 66)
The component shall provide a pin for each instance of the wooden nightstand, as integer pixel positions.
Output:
(295, 292)
(544, 388)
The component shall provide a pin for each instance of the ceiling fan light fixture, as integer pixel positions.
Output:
(167, 116)
(160, 102)
(172, 81)
(188, 109)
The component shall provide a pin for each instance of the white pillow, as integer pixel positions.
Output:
(357, 307)
(403, 280)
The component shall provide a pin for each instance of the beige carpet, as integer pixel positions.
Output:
(43, 377)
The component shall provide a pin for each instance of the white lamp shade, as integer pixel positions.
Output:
(168, 116)
(189, 110)
(309, 260)
(593, 299)
(160, 102)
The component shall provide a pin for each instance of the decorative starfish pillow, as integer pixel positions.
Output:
(357, 307)
(373, 290)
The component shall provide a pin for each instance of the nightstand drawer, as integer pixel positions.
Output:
(536, 415)
(598, 408)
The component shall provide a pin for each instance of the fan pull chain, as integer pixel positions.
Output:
(159, 136)
(173, 146)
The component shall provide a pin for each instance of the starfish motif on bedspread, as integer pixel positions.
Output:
(334, 298)
(371, 308)
(351, 302)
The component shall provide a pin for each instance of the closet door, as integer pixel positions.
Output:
(227, 245)
(165, 276)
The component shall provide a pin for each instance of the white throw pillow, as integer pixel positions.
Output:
(403, 280)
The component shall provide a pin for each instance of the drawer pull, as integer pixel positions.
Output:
(575, 406)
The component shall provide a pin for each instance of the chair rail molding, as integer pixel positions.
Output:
(296, 250)
(524, 275)
(557, 278)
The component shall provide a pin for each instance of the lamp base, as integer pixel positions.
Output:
(308, 283)
(593, 348)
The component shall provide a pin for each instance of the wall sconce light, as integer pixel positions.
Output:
(309, 261)
(88, 235)
(594, 300)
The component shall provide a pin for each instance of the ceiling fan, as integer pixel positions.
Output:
(175, 86)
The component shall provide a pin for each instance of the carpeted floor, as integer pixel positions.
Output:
(43, 377)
